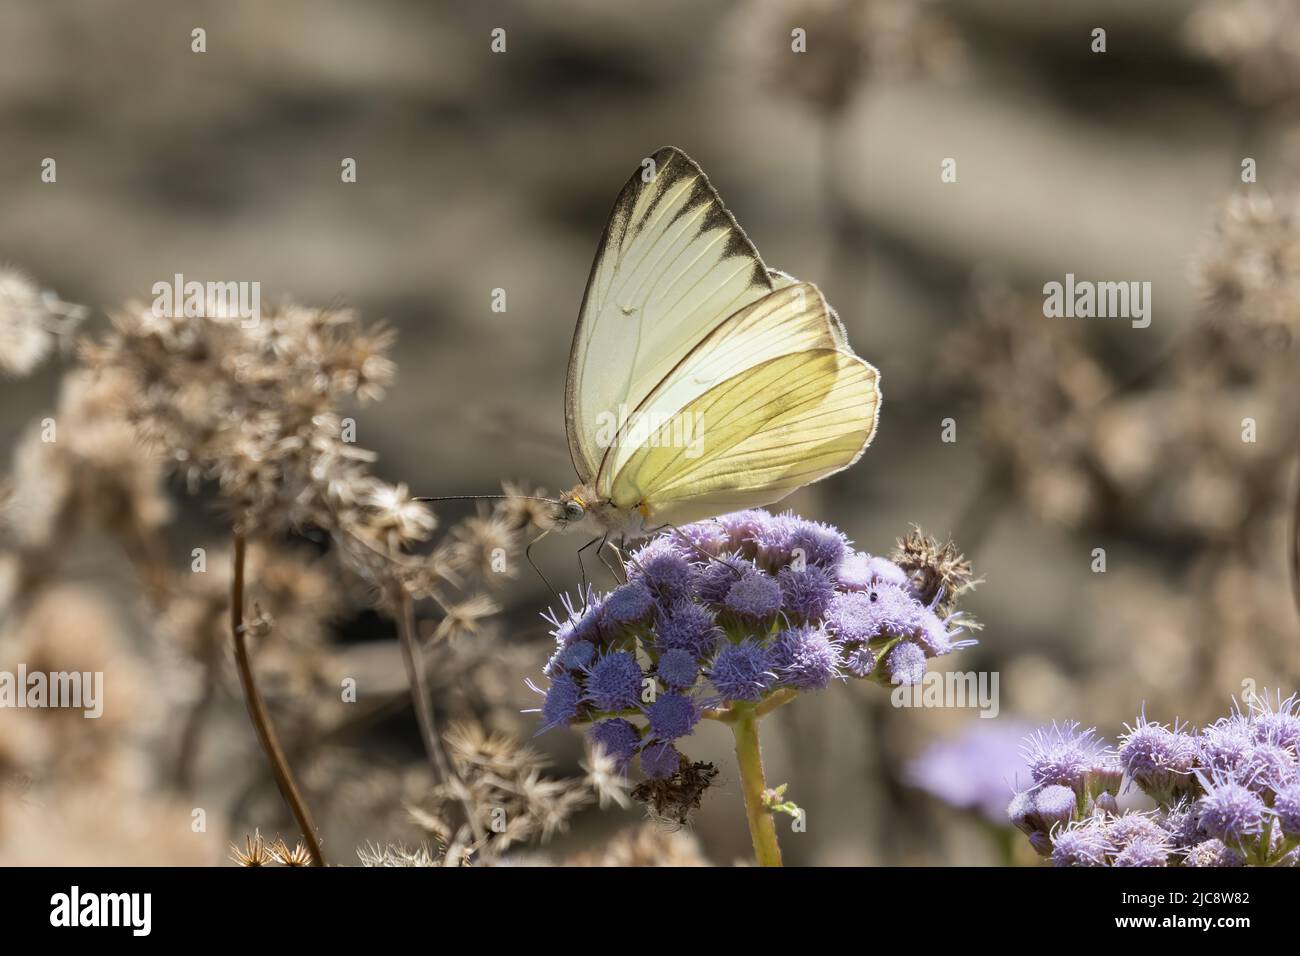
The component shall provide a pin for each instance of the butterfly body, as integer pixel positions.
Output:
(700, 381)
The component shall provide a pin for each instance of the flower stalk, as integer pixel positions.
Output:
(762, 827)
(257, 709)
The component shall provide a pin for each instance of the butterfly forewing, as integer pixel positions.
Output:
(672, 266)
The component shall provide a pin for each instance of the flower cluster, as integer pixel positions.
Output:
(1228, 795)
(741, 609)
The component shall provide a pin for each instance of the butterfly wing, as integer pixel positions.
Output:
(778, 403)
(671, 267)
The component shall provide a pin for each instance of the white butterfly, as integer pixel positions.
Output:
(700, 381)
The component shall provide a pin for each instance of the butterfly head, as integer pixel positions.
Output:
(573, 507)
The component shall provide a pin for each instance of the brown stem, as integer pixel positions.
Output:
(257, 711)
(1295, 545)
(423, 703)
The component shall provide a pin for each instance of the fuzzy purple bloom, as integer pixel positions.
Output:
(1212, 853)
(660, 760)
(805, 658)
(1054, 806)
(672, 716)
(741, 671)
(1081, 844)
(1229, 811)
(631, 603)
(1062, 754)
(821, 545)
(1142, 853)
(614, 682)
(974, 770)
(576, 656)
(806, 594)
(860, 571)
(860, 661)
(1286, 809)
(706, 538)
(677, 668)
(563, 700)
(754, 595)
(905, 664)
(1157, 758)
(743, 529)
(1226, 744)
(689, 627)
(717, 577)
(618, 738)
(885, 610)
(665, 568)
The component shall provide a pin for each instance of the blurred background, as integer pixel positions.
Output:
(479, 171)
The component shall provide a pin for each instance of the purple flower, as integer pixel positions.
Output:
(631, 603)
(806, 594)
(821, 545)
(905, 664)
(860, 661)
(660, 760)
(689, 627)
(672, 716)
(1159, 759)
(1180, 824)
(743, 529)
(717, 577)
(886, 610)
(574, 657)
(677, 668)
(1081, 844)
(574, 624)
(1130, 827)
(860, 571)
(1229, 811)
(710, 537)
(1212, 853)
(1054, 806)
(1286, 808)
(1062, 754)
(562, 702)
(933, 636)
(754, 595)
(614, 682)
(665, 567)
(740, 671)
(1266, 767)
(805, 658)
(974, 770)
(1276, 723)
(1020, 811)
(1142, 853)
(1226, 743)
(618, 738)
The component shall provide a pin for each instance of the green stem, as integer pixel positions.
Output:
(762, 828)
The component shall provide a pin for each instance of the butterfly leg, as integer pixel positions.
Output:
(528, 556)
(582, 568)
(604, 558)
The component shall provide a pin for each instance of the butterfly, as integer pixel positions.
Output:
(700, 381)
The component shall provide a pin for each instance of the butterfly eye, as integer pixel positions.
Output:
(573, 511)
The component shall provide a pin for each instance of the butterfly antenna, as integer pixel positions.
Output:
(554, 501)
